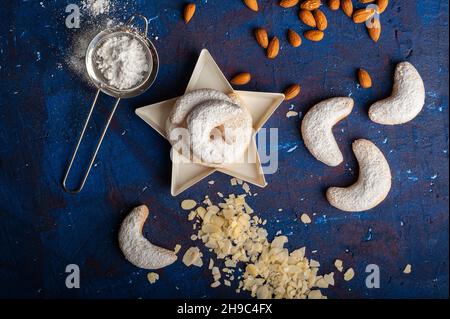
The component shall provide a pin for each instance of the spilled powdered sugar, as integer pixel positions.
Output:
(76, 53)
(96, 7)
(123, 62)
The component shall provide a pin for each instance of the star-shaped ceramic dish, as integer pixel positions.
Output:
(261, 105)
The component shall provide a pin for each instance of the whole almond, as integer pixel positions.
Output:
(291, 92)
(307, 18)
(273, 48)
(262, 37)
(310, 4)
(288, 3)
(364, 79)
(374, 29)
(321, 19)
(334, 4)
(252, 4)
(189, 11)
(382, 5)
(241, 78)
(347, 7)
(314, 35)
(362, 15)
(294, 38)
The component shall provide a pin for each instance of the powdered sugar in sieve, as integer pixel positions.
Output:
(122, 61)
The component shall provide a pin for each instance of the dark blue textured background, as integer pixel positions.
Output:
(43, 105)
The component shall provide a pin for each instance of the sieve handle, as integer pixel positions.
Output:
(86, 174)
(130, 21)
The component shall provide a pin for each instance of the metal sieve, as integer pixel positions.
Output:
(100, 82)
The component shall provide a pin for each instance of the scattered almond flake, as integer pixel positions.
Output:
(329, 278)
(192, 256)
(246, 188)
(239, 181)
(191, 215)
(321, 282)
(349, 274)
(262, 292)
(177, 248)
(194, 237)
(188, 204)
(248, 209)
(339, 265)
(255, 194)
(316, 294)
(211, 264)
(198, 262)
(230, 232)
(305, 219)
(230, 263)
(215, 284)
(278, 233)
(211, 182)
(408, 269)
(314, 251)
(216, 273)
(152, 277)
(291, 114)
(233, 181)
(201, 211)
(227, 283)
(219, 194)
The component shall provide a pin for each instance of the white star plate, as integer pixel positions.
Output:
(261, 105)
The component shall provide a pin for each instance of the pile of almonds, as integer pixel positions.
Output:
(311, 15)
